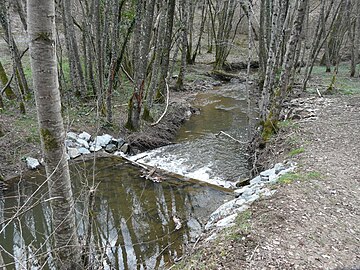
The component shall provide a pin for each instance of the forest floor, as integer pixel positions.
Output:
(312, 221)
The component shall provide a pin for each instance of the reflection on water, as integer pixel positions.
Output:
(133, 218)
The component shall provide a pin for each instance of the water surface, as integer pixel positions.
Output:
(133, 217)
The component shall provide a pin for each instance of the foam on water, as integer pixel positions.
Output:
(162, 159)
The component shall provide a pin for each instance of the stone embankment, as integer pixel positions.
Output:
(84, 144)
(260, 186)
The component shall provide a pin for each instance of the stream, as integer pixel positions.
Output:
(134, 224)
(199, 153)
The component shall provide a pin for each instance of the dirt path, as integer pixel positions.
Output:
(314, 222)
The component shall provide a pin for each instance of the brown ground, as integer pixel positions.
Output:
(313, 222)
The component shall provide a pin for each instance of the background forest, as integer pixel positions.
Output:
(111, 52)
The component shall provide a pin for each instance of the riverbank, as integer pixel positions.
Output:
(21, 136)
(312, 220)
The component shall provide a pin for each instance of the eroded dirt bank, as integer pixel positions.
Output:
(312, 221)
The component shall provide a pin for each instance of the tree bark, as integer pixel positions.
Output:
(160, 95)
(180, 79)
(284, 87)
(41, 24)
(76, 72)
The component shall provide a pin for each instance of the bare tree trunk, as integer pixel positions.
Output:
(191, 56)
(270, 124)
(222, 46)
(114, 49)
(41, 23)
(76, 72)
(1, 107)
(262, 42)
(180, 79)
(270, 64)
(19, 74)
(159, 44)
(135, 102)
(352, 36)
(160, 95)
(20, 10)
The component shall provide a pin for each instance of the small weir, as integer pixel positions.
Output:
(199, 152)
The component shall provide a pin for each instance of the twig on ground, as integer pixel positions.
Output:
(253, 253)
(318, 92)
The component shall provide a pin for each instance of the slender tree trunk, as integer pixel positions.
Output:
(160, 95)
(41, 23)
(20, 10)
(77, 76)
(270, 124)
(180, 79)
(19, 74)
(262, 48)
(114, 49)
(352, 36)
(270, 64)
(159, 44)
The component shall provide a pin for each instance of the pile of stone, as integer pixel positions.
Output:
(84, 144)
(226, 214)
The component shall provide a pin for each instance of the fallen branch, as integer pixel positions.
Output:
(167, 104)
(318, 92)
(231, 137)
(135, 163)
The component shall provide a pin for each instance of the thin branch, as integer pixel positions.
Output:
(227, 135)
(167, 104)
(127, 74)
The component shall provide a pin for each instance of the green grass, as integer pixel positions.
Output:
(296, 152)
(289, 123)
(290, 177)
(26, 122)
(196, 259)
(344, 84)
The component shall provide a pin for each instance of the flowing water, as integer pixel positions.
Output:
(200, 153)
(133, 218)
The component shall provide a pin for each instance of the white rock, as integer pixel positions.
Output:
(32, 163)
(124, 148)
(84, 151)
(73, 152)
(71, 136)
(227, 221)
(255, 180)
(252, 198)
(240, 201)
(211, 237)
(95, 148)
(102, 140)
(85, 136)
(83, 143)
(279, 167)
